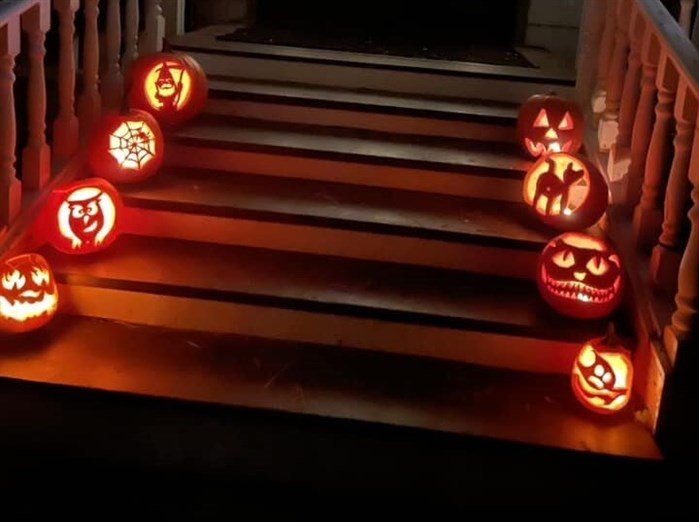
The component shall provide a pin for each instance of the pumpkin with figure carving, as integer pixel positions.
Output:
(126, 148)
(580, 276)
(566, 191)
(548, 123)
(602, 375)
(172, 87)
(28, 293)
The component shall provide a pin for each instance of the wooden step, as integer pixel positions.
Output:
(253, 377)
(379, 224)
(362, 109)
(487, 320)
(372, 71)
(428, 164)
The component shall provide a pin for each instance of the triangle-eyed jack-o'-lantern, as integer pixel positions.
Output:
(172, 87)
(603, 374)
(84, 216)
(548, 123)
(126, 148)
(580, 275)
(28, 293)
(566, 191)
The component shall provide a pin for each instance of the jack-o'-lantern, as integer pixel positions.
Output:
(126, 148)
(566, 191)
(28, 293)
(580, 275)
(172, 87)
(548, 123)
(83, 217)
(603, 374)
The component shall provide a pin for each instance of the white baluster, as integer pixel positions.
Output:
(606, 48)
(66, 127)
(130, 36)
(89, 104)
(152, 41)
(591, 28)
(10, 186)
(113, 82)
(36, 157)
(685, 20)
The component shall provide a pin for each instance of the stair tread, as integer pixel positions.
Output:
(502, 159)
(367, 100)
(337, 205)
(330, 382)
(323, 284)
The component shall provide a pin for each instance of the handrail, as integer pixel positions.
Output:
(10, 9)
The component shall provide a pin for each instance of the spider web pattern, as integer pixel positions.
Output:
(132, 144)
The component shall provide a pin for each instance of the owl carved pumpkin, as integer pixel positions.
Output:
(28, 293)
(83, 216)
(580, 276)
(172, 87)
(126, 148)
(566, 191)
(547, 123)
(602, 375)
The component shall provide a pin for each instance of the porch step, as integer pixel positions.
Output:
(486, 320)
(354, 70)
(363, 109)
(491, 170)
(379, 224)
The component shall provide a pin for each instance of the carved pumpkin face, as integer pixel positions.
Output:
(28, 293)
(548, 123)
(580, 276)
(126, 148)
(566, 191)
(84, 216)
(602, 376)
(172, 87)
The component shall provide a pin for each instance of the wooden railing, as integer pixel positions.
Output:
(644, 93)
(100, 87)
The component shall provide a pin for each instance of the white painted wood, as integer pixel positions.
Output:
(90, 103)
(685, 19)
(606, 49)
(130, 36)
(113, 81)
(152, 40)
(591, 30)
(10, 186)
(66, 127)
(174, 13)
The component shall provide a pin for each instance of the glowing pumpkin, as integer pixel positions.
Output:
(580, 276)
(83, 216)
(126, 148)
(547, 123)
(566, 191)
(603, 374)
(28, 293)
(172, 87)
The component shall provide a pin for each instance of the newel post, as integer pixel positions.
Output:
(152, 41)
(113, 82)
(606, 48)
(130, 36)
(10, 186)
(65, 128)
(685, 19)
(36, 157)
(591, 29)
(89, 104)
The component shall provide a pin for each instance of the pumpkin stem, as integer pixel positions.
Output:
(612, 337)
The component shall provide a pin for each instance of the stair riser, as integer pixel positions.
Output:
(395, 123)
(493, 260)
(350, 76)
(437, 182)
(488, 349)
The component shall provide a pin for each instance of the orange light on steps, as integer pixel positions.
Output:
(126, 148)
(580, 276)
(547, 123)
(602, 375)
(28, 293)
(83, 217)
(172, 87)
(566, 191)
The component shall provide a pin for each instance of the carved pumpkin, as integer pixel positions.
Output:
(603, 374)
(566, 191)
(126, 148)
(172, 87)
(549, 123)
(580, 276)
(28, 293)
(83, 216)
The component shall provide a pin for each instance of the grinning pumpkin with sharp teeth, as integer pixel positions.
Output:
(580, 276)
(28, 293)
(549, 123)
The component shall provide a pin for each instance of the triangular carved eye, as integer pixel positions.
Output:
(566, 122)
(542, 120)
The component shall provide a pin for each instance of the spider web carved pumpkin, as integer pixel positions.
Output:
(126, 148)
(172, 87)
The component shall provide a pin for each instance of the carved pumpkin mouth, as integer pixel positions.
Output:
(29, 305)
(538, 148)
(579, 291)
